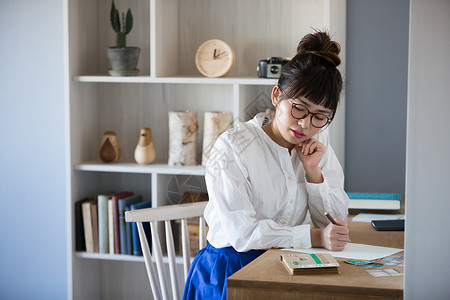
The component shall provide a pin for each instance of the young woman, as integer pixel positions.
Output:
(263, 176)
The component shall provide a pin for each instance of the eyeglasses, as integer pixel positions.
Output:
(299, 111)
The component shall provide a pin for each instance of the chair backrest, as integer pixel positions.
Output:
(159, 285)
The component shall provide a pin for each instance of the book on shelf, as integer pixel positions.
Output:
(103, 233)
(116, 223)
(193, 225)
(80, 242)
(137, 249)
(89, 213)
(302, 263)
(125, 229)
(87, 224)
(110, 226)
(375, 201)
(192, 197)
(94, 218)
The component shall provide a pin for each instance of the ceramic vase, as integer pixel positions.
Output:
(145, 150)
(109, 149)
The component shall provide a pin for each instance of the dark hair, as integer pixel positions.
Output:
(312, 73)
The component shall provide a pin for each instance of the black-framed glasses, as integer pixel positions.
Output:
(299, 111)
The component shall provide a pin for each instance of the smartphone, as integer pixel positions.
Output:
(389, 225)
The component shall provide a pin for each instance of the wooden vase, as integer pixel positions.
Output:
(215, 124)
(145, 150)
(183, 128)
(109, 149)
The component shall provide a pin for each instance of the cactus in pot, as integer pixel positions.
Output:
(121, 27)
(123, 59)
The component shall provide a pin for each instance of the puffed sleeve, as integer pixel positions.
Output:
(230, 213)
(329, 195)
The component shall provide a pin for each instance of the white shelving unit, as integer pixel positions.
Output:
(168, 33)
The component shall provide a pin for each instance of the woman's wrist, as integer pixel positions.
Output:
(316, 238)
(314, 175)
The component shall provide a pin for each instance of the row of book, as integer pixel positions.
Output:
(101, 226)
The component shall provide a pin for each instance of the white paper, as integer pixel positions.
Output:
(353, 250)
(369, 217)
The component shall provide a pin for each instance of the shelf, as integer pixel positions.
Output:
(119, 79)
(176, 79)
(169, 33)
(122, 257)
(106, 256)
(142, 169)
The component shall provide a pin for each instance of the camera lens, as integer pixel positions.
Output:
(274, 69)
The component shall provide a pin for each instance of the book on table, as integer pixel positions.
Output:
(375, 201)
(303, 263)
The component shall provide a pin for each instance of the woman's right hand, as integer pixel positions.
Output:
(335, 237)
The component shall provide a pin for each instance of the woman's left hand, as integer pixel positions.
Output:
(310, 153)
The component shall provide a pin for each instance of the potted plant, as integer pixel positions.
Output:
(123, 59)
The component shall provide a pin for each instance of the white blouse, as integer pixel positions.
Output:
(258, 193)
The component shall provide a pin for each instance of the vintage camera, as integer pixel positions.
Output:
(271, 67)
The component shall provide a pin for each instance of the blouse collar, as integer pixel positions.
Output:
(260, 120)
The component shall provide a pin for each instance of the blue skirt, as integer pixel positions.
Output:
(207, 278)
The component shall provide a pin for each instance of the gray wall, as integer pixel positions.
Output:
(32, 162)
(428, 154)
(376, 95)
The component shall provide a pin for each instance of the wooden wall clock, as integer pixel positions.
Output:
(214, 58)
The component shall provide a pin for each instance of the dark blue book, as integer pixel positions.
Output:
(125, 237)
(137, 250)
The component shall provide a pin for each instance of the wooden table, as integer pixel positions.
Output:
(266, 278)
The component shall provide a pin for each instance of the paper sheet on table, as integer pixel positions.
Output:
(353, 250)
(369, 217)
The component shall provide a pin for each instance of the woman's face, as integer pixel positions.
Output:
(286, 127)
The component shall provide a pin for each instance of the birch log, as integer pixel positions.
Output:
(182, 138)
(215, 124)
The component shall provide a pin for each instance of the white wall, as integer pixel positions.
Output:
(32, 163)
(428, 152)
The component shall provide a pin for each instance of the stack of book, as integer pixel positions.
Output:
(101, 226)
(374, 201)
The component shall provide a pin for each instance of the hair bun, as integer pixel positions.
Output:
(320, 44)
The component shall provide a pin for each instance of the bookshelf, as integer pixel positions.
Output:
(168, 33)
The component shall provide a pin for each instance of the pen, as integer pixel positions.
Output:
(330, 218)
(333, 221)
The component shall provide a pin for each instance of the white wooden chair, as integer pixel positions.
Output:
(159, 285)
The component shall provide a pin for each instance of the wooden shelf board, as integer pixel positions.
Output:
(248, 80)
(158, 168)
(107, 256)
(121, 257)
(119, 79)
